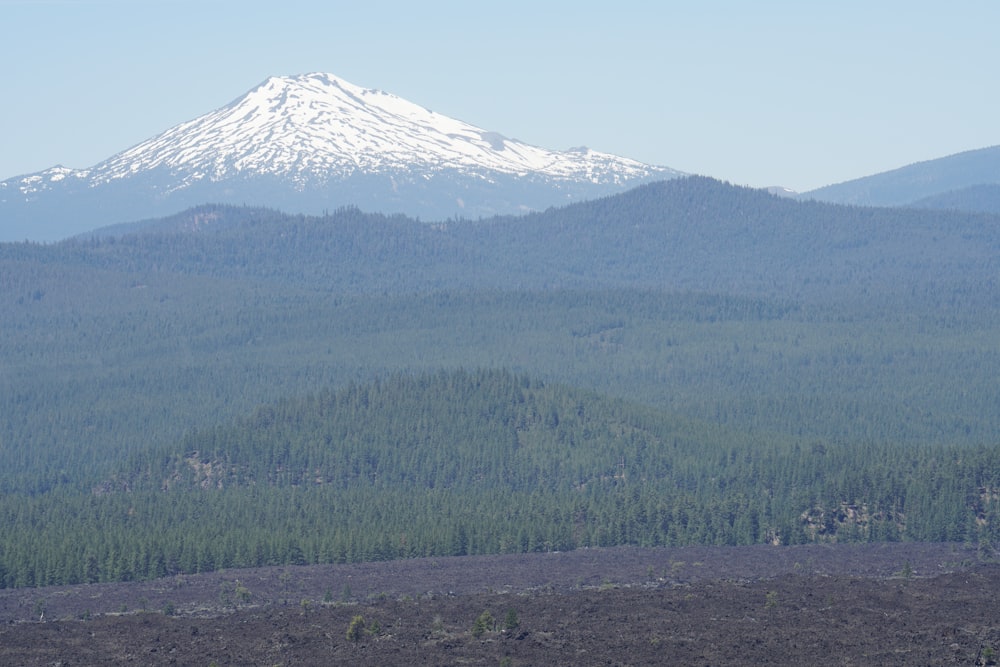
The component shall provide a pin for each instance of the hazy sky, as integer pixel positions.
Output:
(757, 93)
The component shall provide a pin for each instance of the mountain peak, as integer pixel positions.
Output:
(314, 141)
(317, 127)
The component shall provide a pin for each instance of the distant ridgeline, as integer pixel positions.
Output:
(684, 234)
(688, 363)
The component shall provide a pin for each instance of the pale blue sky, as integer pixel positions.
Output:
(757, 93)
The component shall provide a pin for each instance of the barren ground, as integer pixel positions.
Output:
(889, 604)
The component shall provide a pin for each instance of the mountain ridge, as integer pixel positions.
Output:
(692, 233)
(915, 183)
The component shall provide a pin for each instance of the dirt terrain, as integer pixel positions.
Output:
(890, 604)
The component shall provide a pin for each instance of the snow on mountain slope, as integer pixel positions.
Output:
(331, 142)
(317, 127)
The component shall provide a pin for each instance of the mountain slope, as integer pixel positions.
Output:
(915, 182)
(687, 233)
(306, 143)
(320, 128)
(984, 197)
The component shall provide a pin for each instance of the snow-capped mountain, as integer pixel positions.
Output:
(313, 142)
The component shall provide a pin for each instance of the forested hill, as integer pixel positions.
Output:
(458, 429)
(688, 233)
(473, 462)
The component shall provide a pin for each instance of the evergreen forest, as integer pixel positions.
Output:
(687, 363)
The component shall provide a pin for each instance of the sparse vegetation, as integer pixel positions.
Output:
(356, 630)
(484, 623)
(243, 594)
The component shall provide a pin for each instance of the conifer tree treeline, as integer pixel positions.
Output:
(475, 462)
